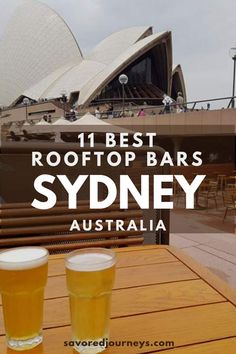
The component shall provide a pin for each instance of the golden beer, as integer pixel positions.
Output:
(90, 277)
(23, 276)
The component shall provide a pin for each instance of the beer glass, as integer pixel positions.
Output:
(23, 276)
(90, 277)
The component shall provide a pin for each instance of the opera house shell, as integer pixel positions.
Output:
(40, 58)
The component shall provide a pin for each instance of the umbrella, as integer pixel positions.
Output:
(61, 121)
(89, 123)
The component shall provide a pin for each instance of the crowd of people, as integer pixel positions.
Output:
(170, 106)
(107, 110)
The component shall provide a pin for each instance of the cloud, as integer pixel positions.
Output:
(203, 32)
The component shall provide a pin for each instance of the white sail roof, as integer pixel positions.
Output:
(93, 87)
(40, 58)
(36, 42)
(72, 79)
(36, 91)
(115, 44)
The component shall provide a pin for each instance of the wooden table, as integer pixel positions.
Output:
(160, 294)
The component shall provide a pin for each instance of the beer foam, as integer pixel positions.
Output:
(87, 262)
(23, 258)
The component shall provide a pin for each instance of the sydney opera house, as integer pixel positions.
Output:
(40, 58)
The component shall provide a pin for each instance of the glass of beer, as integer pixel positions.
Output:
(90, 277)
(23, 276)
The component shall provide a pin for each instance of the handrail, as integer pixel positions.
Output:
(231, 98)
(155, 109)
(104, 100)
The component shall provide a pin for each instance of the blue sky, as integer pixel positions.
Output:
(202, 30)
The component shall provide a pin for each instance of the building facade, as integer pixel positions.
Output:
(40, 59)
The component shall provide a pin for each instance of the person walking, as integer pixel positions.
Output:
(167, 101)
(179, 103)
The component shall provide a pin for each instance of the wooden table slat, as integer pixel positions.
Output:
(159, 294)
(184, 327)
(124, 259)
(218, 284)
(224, 346)
(130, 277)
(139, 300)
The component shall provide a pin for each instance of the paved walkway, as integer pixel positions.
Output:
(217, 251)
(203, 235)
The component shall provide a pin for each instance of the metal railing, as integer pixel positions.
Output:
(132, 101)
(188, 106)
(132, 110)
(194, 103)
